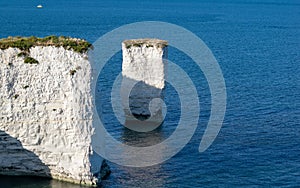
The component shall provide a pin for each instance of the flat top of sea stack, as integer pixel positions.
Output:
(146, 41)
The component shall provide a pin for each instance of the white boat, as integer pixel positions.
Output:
(39, 6)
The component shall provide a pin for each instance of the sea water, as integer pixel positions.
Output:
(256, 43)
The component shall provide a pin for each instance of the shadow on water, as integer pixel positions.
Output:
(34, 182)
(153, 176)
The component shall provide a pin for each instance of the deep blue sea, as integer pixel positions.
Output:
(257, 45)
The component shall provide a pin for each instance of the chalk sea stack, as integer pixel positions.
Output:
(46, 109)
(144, 74)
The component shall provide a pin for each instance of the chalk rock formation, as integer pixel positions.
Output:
(46, 114)
(143, 71)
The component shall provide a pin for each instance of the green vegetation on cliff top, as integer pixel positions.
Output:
(25, 43)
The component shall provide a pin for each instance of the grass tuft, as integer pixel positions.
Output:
(30, 60)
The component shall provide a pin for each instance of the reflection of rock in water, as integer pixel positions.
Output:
(143, 139)
(143, 71)
(152, 176)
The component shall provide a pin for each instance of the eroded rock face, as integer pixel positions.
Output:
(46, 114)
(144, 74)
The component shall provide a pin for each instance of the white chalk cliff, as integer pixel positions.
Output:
(144, 75)
(46, 114)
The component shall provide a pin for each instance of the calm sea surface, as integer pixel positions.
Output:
(257, 44)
